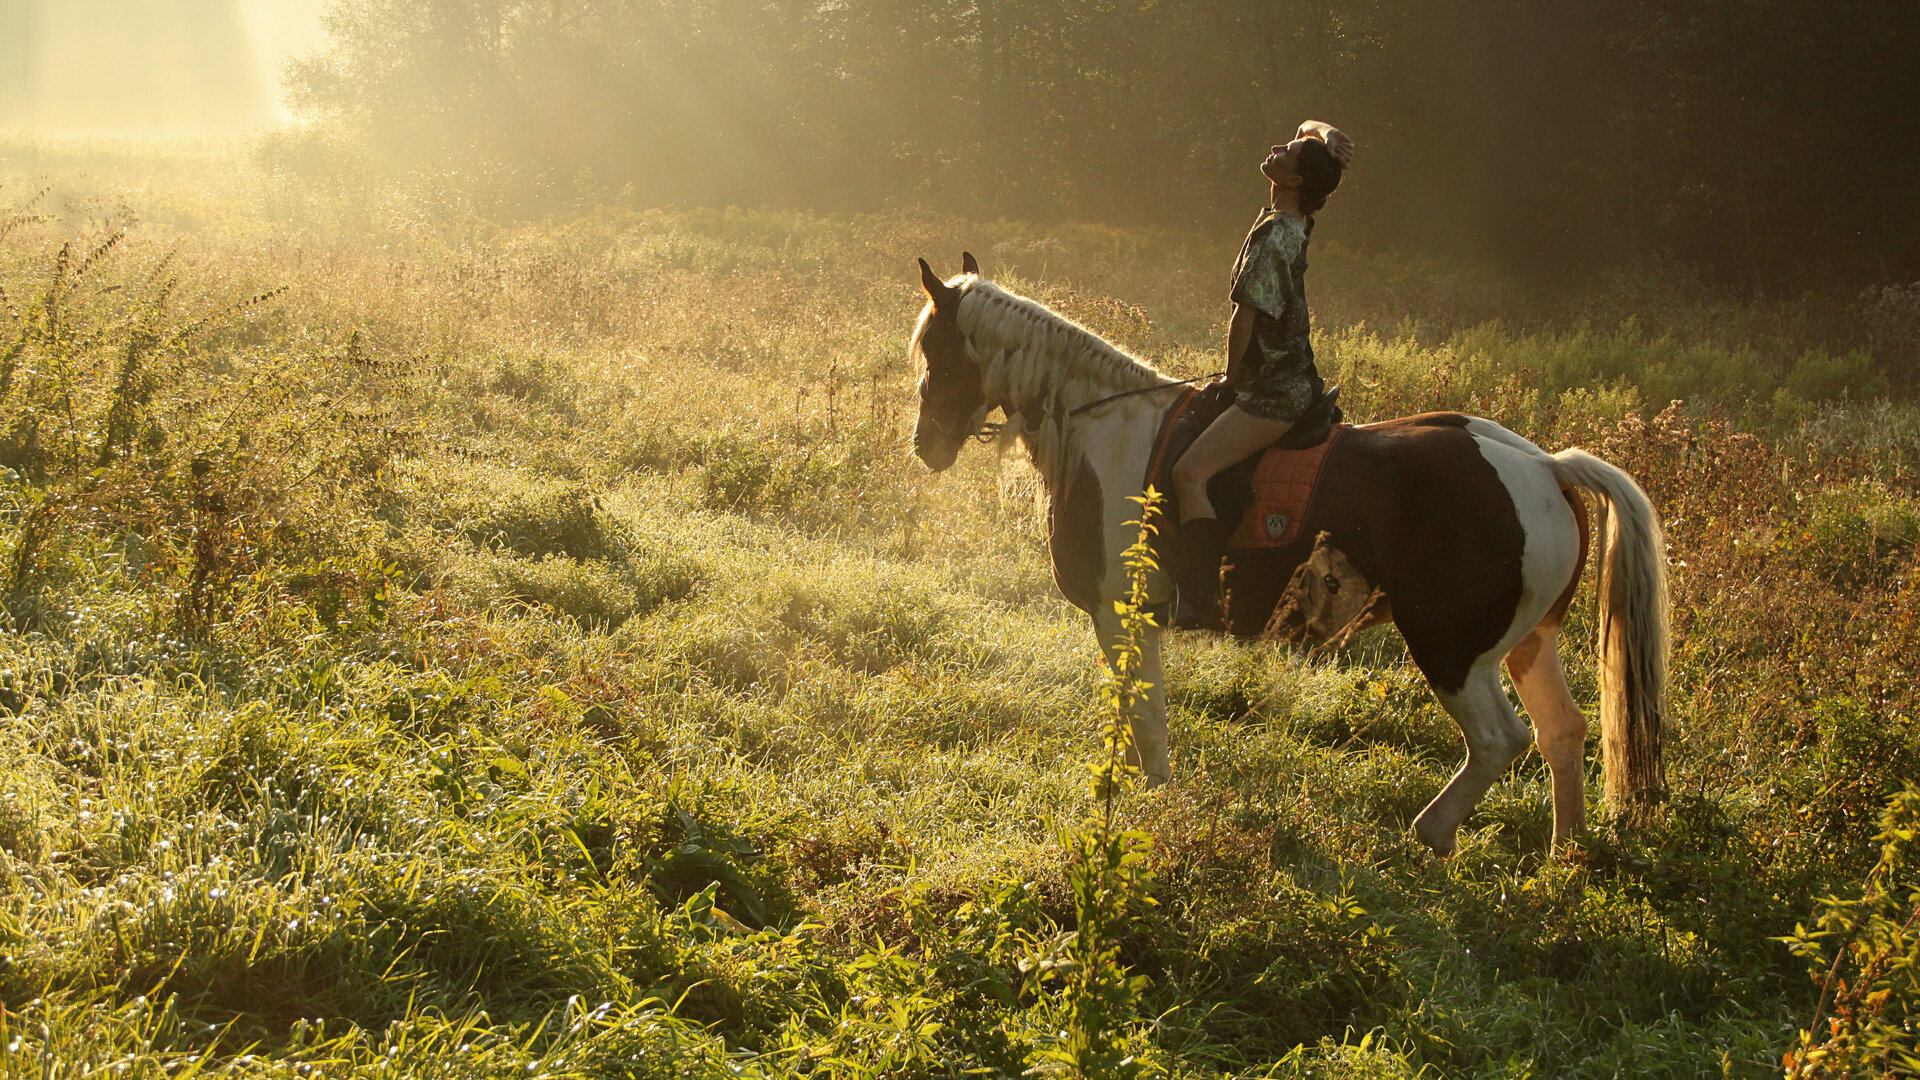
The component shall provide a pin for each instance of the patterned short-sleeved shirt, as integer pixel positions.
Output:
(1270, 277)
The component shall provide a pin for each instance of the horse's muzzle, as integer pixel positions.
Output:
(934, 445)
(935, 456)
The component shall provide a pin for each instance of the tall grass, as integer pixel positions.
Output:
(533, 650)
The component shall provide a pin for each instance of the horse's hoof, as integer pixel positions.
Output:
(1441, 843)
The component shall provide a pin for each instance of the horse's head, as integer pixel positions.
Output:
(953, 399)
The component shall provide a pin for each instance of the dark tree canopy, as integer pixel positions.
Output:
(1771, 144)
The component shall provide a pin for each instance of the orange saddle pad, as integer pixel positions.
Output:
(1283, 484)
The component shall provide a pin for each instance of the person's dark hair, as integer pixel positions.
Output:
(1319, 175)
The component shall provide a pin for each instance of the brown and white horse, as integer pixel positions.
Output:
(1475, 535)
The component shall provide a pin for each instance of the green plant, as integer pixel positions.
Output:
(1864, 955)
(1860, 532)
(1109, 871)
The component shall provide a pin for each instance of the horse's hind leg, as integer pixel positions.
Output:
(1495, 737)
(1559, 725)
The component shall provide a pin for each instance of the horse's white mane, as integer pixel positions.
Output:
(1039, 366)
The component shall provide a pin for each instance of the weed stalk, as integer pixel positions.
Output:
(1109, 874)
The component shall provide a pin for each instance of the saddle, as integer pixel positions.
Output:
(1264, 501)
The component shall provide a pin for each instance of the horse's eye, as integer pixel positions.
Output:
(1332, 583)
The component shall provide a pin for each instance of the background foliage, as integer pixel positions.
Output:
(1766, 145)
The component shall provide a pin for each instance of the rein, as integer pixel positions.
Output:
(990, 431)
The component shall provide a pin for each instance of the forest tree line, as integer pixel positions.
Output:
(1771, 144)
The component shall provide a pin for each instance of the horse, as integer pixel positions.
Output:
(1475, 536)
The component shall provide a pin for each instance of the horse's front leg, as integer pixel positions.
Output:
(1148, 717)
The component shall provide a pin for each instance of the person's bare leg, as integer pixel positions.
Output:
(1234, 437)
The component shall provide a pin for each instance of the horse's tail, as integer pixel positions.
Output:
(1634, 634)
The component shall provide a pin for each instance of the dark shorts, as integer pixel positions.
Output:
(1277, 392)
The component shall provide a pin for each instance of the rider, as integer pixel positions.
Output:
(1269, 360)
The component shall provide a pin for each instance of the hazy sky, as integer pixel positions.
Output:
(280, 29)
(149, 65)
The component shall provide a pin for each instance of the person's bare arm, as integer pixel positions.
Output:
(1239, 334)
(1338, 142)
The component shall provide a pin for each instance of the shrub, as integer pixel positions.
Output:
(1860, 532)
(1821, 376)
(1865, 957)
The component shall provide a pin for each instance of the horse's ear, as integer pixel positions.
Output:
(967, 263)
(937, 291)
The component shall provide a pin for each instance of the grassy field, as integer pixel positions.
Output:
(444, 648)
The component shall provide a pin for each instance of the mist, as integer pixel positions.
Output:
(144, 67)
